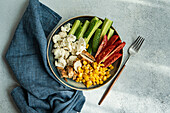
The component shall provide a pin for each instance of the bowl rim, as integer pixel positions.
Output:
(48, 60)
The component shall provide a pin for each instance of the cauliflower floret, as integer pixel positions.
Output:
(74, 51)
(74, 45)
(56, 38)
(58, 64)
(63, 34)
(64, 53)
(62, 61)
(56, 45)
(81, 45)
(57, 53)
(66, 27)
(63, 43)
(69, 46)
(71, 59)
(71, 38)
(66, 48)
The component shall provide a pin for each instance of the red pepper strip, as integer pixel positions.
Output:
(104, 53)
(112, 59)
(118, 48)
(112, 40)
(102, 45)
(117, 43)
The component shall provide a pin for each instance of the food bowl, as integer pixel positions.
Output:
(71, 83)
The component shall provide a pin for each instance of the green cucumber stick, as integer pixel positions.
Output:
(105, 27)
(94, 28)
(110, 34)
(90, 49)
(96, 40)
(74, 27)
(83, 29)
(79, 29)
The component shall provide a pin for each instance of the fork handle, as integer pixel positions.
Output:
(111, 85)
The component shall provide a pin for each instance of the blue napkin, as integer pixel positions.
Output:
(40, 91)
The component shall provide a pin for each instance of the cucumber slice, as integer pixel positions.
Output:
(93, 19)
(96, 40)
(78, 31)
(81, 30)
(94, 24)
(90, 49)
(105, 27)
(110, 34)
(74, 27)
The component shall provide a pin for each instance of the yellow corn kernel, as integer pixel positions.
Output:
(101, 64)
(104, 78)
(83, 66)
(81, 71)
(86, 78)
(88, 65)
(87, 46)
(95, 75)
(101, 76)
(97, 82)
(95, 63)
(84, 62)
(101, 69)
(111, 67)
(90, 68)
(94, 83)
(107, 73)
(83, 81)
(104, 69)
(79, 68)
(95, 67)
(89, 82)
(80, 75)
(92, 79)
(91, 74)
(101, 82)
(96, 71)
(86, 71)
(77, 79)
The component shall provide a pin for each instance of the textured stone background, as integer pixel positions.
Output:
(144, 85)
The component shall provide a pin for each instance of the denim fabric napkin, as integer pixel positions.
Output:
(40, 91)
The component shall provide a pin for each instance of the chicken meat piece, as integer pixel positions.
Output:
(62, 72)
(70, 71)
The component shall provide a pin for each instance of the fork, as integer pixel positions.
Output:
(132, 50)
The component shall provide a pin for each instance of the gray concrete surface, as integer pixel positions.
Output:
(144, 85)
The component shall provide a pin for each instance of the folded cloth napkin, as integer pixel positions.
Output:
(40, 91)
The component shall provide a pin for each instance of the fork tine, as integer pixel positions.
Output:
(136, 46)
(135, 42)
(140, 44)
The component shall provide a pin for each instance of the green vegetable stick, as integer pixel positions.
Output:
(96, 40)
(105, 27)
(110, 34)
(92, 28)
(74, 27)
(80, 32)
